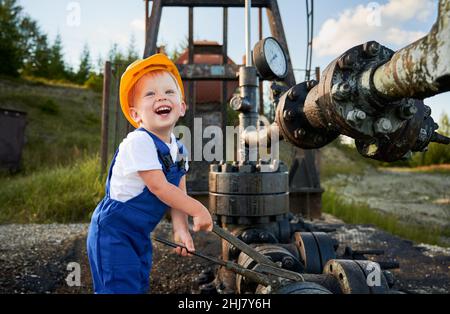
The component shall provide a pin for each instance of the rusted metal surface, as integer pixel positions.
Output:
(152, 29)
(214, 3)
(293, 125)
(353, 275)
(421, 69)
(345, 101)
(198, 72)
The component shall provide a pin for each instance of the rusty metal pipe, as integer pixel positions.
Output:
(263, 135)
(421, 69)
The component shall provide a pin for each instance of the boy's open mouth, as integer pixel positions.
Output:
(163, 110)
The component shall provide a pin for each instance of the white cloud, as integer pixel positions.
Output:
(404, 10)
(383, 23)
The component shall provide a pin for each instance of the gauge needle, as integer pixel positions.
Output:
(274, 57)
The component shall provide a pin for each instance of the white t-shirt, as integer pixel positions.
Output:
(137, 152)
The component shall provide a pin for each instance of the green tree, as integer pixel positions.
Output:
(85, 67)
(132, 53)
(444, 125)
(57, 67)
(11, 49)
(36, 54)
(115, 55)
(39, 57)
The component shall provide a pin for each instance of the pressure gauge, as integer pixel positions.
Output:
(269, 59)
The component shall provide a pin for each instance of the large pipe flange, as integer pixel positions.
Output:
(357, 277)
(316, 249)
(276, 253)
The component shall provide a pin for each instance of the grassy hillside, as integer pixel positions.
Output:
(412, 203)
(60, 177)
(63, 122)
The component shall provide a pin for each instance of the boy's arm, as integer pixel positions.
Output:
(180, 226)
(179, 218)
(176, 198)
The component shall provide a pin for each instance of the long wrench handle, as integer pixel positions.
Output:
(251, 274)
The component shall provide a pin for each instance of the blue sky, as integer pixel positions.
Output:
(339, 25)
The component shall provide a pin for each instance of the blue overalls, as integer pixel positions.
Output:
(118, 243)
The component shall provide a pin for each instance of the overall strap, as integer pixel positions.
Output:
(108, 179)
(163, 151)
(181, 156)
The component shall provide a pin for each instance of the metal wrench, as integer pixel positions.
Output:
(266, 264)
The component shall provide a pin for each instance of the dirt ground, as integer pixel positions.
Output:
(34, 259)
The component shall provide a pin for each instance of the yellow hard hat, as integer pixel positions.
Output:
(136, 70)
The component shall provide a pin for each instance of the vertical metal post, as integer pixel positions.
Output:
(248, 85)
(261, 96)
(147, 10)
(152, 29)
(317, 74)
(248, 34)
(191, 84)
(105, 116)
(224, 83)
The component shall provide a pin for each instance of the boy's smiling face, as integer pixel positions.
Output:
(157, 102)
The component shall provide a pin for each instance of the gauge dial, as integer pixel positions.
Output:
(275, 57)
(270, 59)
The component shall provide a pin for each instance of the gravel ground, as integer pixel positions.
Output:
(34, 258)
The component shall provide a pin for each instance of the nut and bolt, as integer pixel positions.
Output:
(310, 84)
(239, 103)
(356, 116)
(408, 110)
(289, 115)
(347, 61)
(214, 168)
(383, 125)
(263, 236)
(299, 133)
(293, 94)
(341, 91)
(246, 237)
(288, 262)
(371, 48)
(227, 167)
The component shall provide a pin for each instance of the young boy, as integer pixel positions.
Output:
(143, 182)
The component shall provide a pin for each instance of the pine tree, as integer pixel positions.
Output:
(85, 66)
(11, 50)
(57, 67)
(35, 50)
(132, 54)
(115, 55)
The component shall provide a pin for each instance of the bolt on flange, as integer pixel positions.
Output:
(383, 126)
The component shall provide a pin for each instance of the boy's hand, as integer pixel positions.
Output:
(203, 221)
(184, 238)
